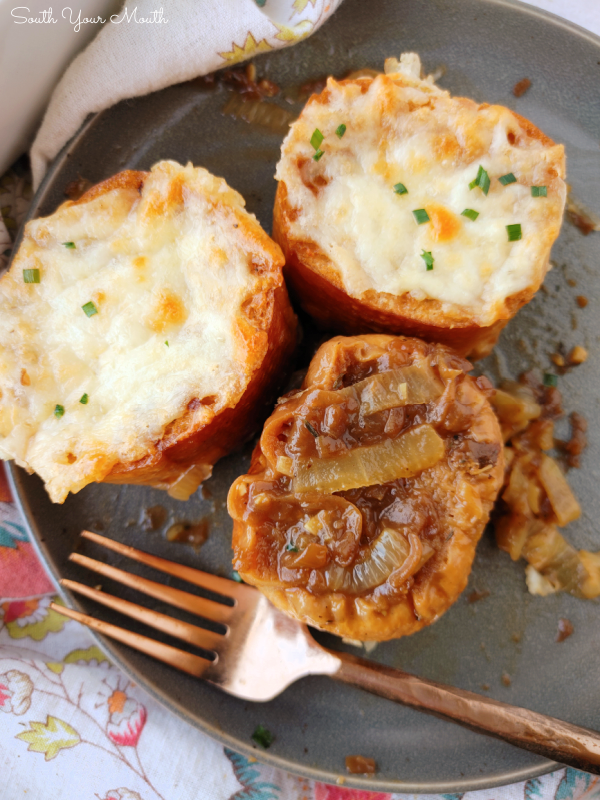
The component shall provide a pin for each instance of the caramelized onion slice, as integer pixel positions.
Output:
(189, 481)
(512, 531)
(386, 555)
(399, 387)
(590, 586)
(403, 386)
(554, 558)
(515, 407)
(395, 388)
(417, 449)
(578, 575)
(537, 584)
(563, 501)
(516, 494)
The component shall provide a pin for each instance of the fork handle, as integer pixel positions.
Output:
(551, 738)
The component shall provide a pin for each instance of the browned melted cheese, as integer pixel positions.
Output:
(171, 267)
(404, 130)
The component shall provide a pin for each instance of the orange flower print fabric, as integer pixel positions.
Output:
(127, 719)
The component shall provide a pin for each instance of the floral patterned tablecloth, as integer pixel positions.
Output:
(72, 726)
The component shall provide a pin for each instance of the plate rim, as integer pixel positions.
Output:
(15, 473)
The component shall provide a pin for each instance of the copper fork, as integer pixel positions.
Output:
(260, 651)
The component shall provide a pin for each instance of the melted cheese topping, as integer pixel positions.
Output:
(400, 129)
(168, 270)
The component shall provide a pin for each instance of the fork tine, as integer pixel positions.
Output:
(186, 662)
(204, 580)
(189, 602)
(174, 627)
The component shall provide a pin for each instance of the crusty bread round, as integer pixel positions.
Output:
(455, 495)
(353, 249)
(189, 330)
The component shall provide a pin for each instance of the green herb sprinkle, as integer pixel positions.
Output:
(263, 737)
(316, 139)
(482, 180)
(420, 216)
(31, 276)
(428, 259)
(89, 309)
(514, 232)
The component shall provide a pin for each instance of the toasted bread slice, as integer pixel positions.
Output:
(157, 325)
(370, 488)
(373, 223)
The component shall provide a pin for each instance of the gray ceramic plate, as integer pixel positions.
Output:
(486, 47)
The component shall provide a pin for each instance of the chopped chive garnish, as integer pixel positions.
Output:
(482, 180)
(506, 179)
(318, 155)
(316, 139)
(236, 576)
(310, 428)
(428, 259)
(291, 548)
(84, 399)
(69, 245)
(514, 232)
(31, 276)
(167, 343)
(90, 309)
(400, 188)
(263, 737)
(470, 213)
(550, 379)
(420, 216)
(59, 410)
(340, 130)
(539, 191)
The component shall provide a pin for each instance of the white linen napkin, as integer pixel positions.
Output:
(146, 47)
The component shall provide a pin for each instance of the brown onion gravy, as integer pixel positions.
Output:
(303, 538)
(192, 533)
